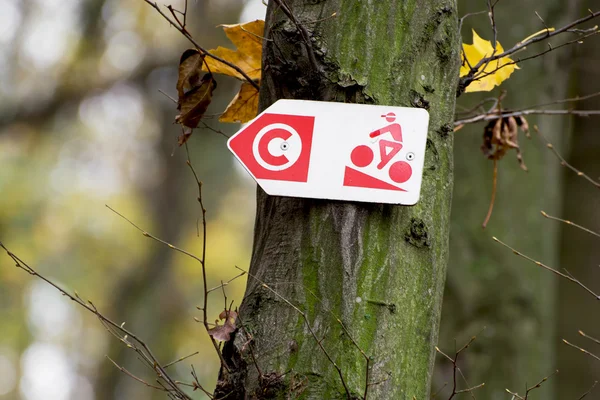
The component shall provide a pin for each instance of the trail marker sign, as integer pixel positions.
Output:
(336, 151)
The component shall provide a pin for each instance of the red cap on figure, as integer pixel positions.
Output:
(389, 117)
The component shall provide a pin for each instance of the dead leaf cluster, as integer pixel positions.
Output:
(222, 332)
(194, 93)
(501, 135)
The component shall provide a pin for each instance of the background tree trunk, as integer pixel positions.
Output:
(580, 251)
(487, 285)
(402, 53)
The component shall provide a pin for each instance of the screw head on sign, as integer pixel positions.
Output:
(410, 156)
(389, 117)
(284, 146)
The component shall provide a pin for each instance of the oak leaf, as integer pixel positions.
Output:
(243, 107)
(248, 39)
(490, 74)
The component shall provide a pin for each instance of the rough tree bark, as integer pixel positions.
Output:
(393, 258)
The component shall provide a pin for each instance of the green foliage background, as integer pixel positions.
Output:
(83, 124)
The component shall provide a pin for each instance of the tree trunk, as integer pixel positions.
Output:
(580, 251)
(488, 286)
(380, 269)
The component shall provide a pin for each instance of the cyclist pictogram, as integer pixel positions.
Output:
(385, 174)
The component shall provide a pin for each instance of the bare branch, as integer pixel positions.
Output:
(122, 369)
(456, 369)
(180, 359)
(564, 162)
(571, 223)
(303, 32)
(131, 340)
(589, 337)
(581, 349)
(189, 37)
(539, 264)
(588, 392)
(529, 389)
(490, 116)
(539, 38)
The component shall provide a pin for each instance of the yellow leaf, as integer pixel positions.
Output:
(248, 39)
(490, 75)
(243, 107)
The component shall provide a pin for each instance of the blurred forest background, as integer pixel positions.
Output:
(83, 124)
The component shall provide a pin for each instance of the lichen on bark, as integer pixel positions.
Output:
(379, 268)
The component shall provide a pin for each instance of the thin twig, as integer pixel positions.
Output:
(187, 253)
(471, 388)
(464, 17)
(506, 113)
(354, 343)
(539, 38)
(203, 260)
(180, 359)
(589, 337)
(581, 349)
(254, 360)
(122, 369)
(456, 369)
(529, 389)
(200, 48)
(210, 128)
(588, 392)
(227, 282)
(571, 223)
(539, 264)
(303, 32)
(308, 326)
(567, 100)
(483, 73)
(125, 336)
(493, 199)
(434, 395)
(564, 162)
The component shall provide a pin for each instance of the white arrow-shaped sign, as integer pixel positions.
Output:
(336, 151)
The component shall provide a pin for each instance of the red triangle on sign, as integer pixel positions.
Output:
(356, 178)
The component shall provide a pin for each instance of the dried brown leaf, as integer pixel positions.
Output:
(501, 135)
(522, 122)
(190, 68)
(185, 135)
(222, 332)
(243, 107)
(193, 104)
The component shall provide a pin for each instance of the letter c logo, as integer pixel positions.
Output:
(277, 147)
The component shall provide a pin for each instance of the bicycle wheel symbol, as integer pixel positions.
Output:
(400, 171)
